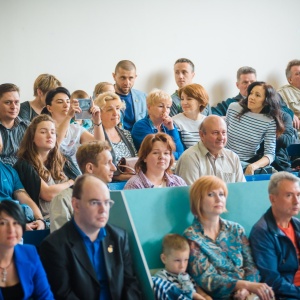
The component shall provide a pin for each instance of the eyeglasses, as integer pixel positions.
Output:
(106, 203)
(97, 203)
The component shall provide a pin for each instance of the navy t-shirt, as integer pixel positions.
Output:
(128, 118)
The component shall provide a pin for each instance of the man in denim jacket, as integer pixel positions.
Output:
(136, 108)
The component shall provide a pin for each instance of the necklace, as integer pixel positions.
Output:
(4, 272)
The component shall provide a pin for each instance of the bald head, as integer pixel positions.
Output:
(213, 134)
(91, 204)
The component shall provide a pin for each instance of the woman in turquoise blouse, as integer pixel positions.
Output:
(220, 260)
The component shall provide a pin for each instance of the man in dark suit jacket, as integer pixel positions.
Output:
(87, 258)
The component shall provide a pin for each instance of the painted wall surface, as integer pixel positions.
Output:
(81, 41)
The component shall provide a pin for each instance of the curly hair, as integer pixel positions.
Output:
(53, 166)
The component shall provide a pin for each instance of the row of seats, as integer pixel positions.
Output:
(148, 214)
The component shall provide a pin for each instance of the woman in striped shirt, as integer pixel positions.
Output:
(251, 121)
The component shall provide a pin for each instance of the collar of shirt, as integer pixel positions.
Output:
(101, 234)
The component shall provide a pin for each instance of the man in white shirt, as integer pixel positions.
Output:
(208, 156)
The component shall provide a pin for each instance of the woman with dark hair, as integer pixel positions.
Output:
(220, 260)
(154, 164)
(193, 100)
(40, 164)
(62, 110)
(255, 119)
(22, 275)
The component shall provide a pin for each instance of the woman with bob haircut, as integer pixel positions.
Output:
(220, 260)
(22, 275)
(254, 120)
(119, 139)
(157, 120)
(103, 87)
(41, 165)
(154, 164)
(69, 136)
(194, 99)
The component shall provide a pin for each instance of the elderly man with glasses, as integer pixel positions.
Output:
(87, 258)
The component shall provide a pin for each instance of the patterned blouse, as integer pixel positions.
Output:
(216, 266)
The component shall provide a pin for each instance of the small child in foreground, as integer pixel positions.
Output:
(173, 282)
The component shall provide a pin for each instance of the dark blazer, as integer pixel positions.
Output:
(31, 274)
(70, 271)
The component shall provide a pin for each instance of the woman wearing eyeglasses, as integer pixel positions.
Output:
(119, 139)
(154, 164)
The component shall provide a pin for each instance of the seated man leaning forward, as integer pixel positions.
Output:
(275, 238)
(87, 258)
(208, 156)
(93, 158)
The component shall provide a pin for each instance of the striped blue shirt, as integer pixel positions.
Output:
(247, 132)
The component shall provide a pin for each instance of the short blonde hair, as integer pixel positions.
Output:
(199, 190)
(79, 94)
(100, 87)
(157, 95)
(45, 83)
(174, 241)
(102, 99)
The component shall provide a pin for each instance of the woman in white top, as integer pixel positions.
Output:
(194, 99)
(69, 136)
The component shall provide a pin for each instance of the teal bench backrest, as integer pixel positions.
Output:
(149, 214)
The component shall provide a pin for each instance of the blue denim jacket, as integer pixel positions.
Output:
(139, 104)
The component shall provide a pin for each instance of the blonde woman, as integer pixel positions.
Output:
(119, 139)
(157, 120)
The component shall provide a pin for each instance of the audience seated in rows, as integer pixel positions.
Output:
(41, 165)
(255, 119)
(157, 120)
(184, 72)
(209, 156)
(12, 127)
(154, 164)
(193, 100)
(88, 258)
(11, 188)
(93, 158)
(22, 274)
(275, 238)
(42, 85)
(135, 100)
(220, 260)
(119, 139)
(291, 92)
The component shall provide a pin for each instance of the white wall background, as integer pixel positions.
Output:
(81, 41)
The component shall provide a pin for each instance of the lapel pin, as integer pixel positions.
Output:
(110, 249)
